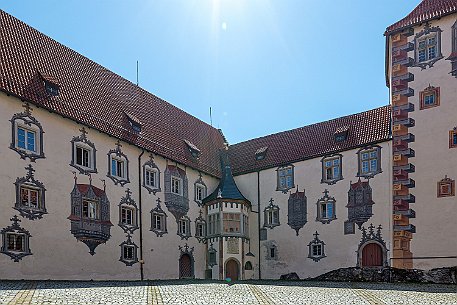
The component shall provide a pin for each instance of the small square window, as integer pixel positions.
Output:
(429, 97)
(446, 187)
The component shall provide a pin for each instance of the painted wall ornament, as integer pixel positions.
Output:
(90, 215)
(85, 143)
(15, 241)
(297, 210)
(177, 200)
(370, 236)
(151, 166)
(128, 223)
(30, 196)
(360, 202)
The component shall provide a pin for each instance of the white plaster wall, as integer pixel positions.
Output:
(340, 249)
(435, 217)
(56, 252)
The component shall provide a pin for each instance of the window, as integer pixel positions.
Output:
(232, 223)
(214, 227)
(30, 196)
(446, 187)
(285, 178)
(200, 228)
(118, 166)
(129, 250)
(158, 220)
(150, 176)
(15, 241)
(176, 187)
(26, 139)
(453, 138)
(129, 253)
(316, 248)
(51, 89)
(369, 161)
(248, 266)
(184, 227)
(271, 215)
(127, 216)
(90, 209)
(331, 169)
(83, 153)
(200, 192)
(326, 209)
(212, 257)
(272, 251)
(428, 47)
(429, 97)
(27, 135)
(341, 133)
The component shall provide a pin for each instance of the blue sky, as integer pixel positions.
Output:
(264, 66)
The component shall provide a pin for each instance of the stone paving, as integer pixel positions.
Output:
(204, 292)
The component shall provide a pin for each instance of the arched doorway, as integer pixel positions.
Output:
(372, 255)
(232, 270)
(185, 266)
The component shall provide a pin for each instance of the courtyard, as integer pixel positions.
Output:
(204, 292)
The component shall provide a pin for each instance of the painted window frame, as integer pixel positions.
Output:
(448, 183)
(160, 214)
(212, 256)
(325, 166)
(200, 225)
(184, 227)
(128, 203)
(429, 91)
(151, 167)
(289, 181)
(118, 156)
(360, 157)
(15, 229)
(26, 121)
(326, 200)
(29, 182)
(129, 244)
(316, 242)
(81, 141)
(424, 35)
(271, 215)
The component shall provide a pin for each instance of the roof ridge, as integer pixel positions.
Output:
(309, 125)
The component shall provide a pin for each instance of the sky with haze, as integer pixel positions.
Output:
(263, 66)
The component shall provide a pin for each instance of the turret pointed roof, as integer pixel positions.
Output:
(227, 188)
(425, 11)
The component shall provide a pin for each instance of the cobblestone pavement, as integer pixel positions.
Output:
(203, 292)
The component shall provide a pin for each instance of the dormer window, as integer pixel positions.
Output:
(341, 134)
(194, 151)
(261, 153)
(134, 122)
(51, 89)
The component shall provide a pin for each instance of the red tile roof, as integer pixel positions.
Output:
(312, 141)
(425, 11)
(96, 97)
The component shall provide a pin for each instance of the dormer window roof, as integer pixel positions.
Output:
(51, 84)
(194, 151)
(261, 153)
(341, 133)
(134, 122)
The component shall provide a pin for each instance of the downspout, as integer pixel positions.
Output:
(140, 222)
(258, 219)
